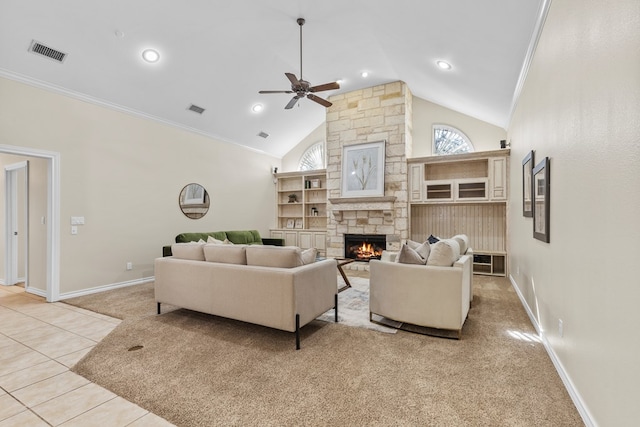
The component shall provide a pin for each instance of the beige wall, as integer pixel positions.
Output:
(580, 107)
(124, 174)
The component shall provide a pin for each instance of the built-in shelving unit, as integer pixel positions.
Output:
(465, 193)
(302, 209)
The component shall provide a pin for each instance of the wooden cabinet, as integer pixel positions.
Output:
(463, 194)
(301, 218)
(459, 178)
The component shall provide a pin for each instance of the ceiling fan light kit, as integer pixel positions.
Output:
(301, 87)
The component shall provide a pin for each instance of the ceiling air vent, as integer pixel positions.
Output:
(263, 135)
(40, 49)
(196, 109)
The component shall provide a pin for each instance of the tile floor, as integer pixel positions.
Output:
(39, 342)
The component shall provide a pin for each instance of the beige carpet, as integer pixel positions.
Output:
(201, 370)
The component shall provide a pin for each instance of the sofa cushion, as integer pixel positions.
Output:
(244, 237)
(463, 241)
(191, 250)
(309, 256)
(444, 253)
(274, 256)
(409, 256)
(423, 249)
(227, 254)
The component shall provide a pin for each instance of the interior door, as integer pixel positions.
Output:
(16, 223)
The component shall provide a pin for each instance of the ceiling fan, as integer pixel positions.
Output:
(301, 87)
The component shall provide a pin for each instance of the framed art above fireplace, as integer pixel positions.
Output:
(363, 169)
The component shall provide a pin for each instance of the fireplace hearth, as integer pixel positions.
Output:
(364, 247)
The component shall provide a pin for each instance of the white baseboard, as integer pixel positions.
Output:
(104, 288)
(568, 384)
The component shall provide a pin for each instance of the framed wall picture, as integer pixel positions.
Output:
(363, 170)
(527, 184)
(541, 207)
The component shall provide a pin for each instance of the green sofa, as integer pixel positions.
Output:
(237, 237)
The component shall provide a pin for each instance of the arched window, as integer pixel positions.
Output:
(312, 158)
(449, 140)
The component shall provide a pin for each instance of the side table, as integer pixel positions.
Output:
(342, 262)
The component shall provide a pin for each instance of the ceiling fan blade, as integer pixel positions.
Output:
(293, 79)
(275, 91)
(319, 100)
(293, 102)
(326, 86)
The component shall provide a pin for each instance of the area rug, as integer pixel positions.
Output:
(195, 370)
(353, 307)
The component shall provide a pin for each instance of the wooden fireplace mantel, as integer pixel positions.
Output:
(382, 203)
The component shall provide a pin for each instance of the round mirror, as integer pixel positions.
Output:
(194, 201)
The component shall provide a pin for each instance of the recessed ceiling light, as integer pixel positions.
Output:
(150, 55)
(257, 108)
(444, 65)
(365, 74)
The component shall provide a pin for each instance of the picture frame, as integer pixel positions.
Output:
(541, 205)
(290, 223)
(363, 169)
(298, 223)
(527, 184)
(315, 183)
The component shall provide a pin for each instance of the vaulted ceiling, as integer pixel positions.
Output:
(218, 54)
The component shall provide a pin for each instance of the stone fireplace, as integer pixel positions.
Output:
(378, 113)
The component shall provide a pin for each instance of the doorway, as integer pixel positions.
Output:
(51, 220)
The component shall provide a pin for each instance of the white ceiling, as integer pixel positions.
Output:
(219, 54)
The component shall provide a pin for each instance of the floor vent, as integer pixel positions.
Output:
(40, 49)
(263, 135)
(196, 109)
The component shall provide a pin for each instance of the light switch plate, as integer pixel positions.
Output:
(74, 229)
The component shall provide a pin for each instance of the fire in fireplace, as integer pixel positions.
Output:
(364, 247)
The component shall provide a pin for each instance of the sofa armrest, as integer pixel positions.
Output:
(272, 241)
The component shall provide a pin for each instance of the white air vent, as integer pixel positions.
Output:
(196, 109)
(40, 49)
(263, 135)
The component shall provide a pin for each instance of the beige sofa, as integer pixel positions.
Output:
(266, 285)
(433, 296)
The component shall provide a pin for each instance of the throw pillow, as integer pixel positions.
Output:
(423, 249)
(444, 253)
(433, 239)
(228, 242)
(212, 239)
(309, 256)
(409, 256)
(463, 241)
(191, 250)
(201, 241)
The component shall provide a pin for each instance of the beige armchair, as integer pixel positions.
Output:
(424, 295)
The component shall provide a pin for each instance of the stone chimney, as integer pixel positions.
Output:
(369, 115)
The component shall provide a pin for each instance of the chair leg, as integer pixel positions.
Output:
(336, 307)
(158, 308)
